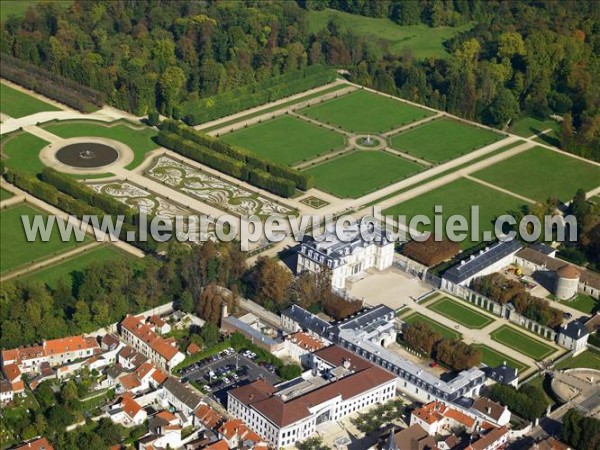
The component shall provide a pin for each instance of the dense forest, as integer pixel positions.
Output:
(519, 57)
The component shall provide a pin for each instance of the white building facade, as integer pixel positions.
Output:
(347, 255)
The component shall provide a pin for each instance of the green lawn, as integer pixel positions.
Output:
(443, 139)
(76, 264)
(587, 358)
(4, 194)
(302, 99)
(359, 172)
(457, 197)
(422, 40)
(493, 358)
(22, 150)
(528, 126)
(18, 104)
(539, 173)
(461, 314)
(139, 139)
(446, 332)
(521, 342)
(583, 303)
(16, 251)
(286, 140)
(365, 112)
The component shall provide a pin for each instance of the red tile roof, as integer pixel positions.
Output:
(159, 376)
(11, 371)
(145, 369)
(259, 395)
(130, 406)
(169, 417)
(305, 341)
(435, 411)
(193, 348)
(69, 344)
(145, 333)
(155, 320)
(208, 416)
(36, 444)
(129, 381)
(219, 445)
(493, 436)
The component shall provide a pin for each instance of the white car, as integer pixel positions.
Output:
(206, 388)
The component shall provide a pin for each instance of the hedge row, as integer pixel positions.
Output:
(302, 180)
(226, 164)
(71, 205)
(56, 87)
(255, 94)
(82, 192)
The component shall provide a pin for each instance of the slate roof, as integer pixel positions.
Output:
(471, 267)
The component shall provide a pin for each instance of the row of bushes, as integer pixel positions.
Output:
(225, 164)
(71, 205)
(56, 87)
(302, 180)
(255, 94)
(80, 191)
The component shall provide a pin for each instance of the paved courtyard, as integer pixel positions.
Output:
(392, 287)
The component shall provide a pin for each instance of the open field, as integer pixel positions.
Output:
(540, 173)
(442, 329)
(5, 195)
(528, 126)
(18, 104)
(359, 172)
(22, 150)
(302, 99)
(286, 140)
(443, 139)
(461, 314)
(583, 303)
(456, 198)
(15, 249)
(365, 112)
(587, 358)
(446, 172)
(421, 40)
(521, 342)
(77, 264)
(493, 358)
(139, 139)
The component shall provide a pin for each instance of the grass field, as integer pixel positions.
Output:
(250, 115)
(16, 251)
(4, 194)
(456, 198)
(493, 358)
(138, 139)
(359, 172)
(22, 150)
(461, 314)
(583, 303)
(76, 264)
(443, 139)
(529, 126)
(286, 140)
(540, 173)
(18, 104)
(521, 342)
(446, 332)
(365, 112)
(587, 358)
(422, 40)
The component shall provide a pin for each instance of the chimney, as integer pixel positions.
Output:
(224, 312)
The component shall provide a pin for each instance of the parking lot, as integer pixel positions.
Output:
(224, 372)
